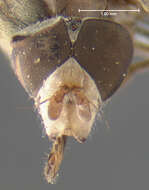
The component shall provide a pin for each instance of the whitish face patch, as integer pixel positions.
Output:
(67, 103)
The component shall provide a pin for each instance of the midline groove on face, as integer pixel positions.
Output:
(103, 48)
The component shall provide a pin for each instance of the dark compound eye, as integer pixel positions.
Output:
(37, 55)
(104, 48)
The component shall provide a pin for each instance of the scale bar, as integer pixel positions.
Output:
(89, 10)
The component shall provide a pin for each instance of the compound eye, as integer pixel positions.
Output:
(37, 55)
(104, 48)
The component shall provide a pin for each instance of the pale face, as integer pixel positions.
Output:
(69, 104)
